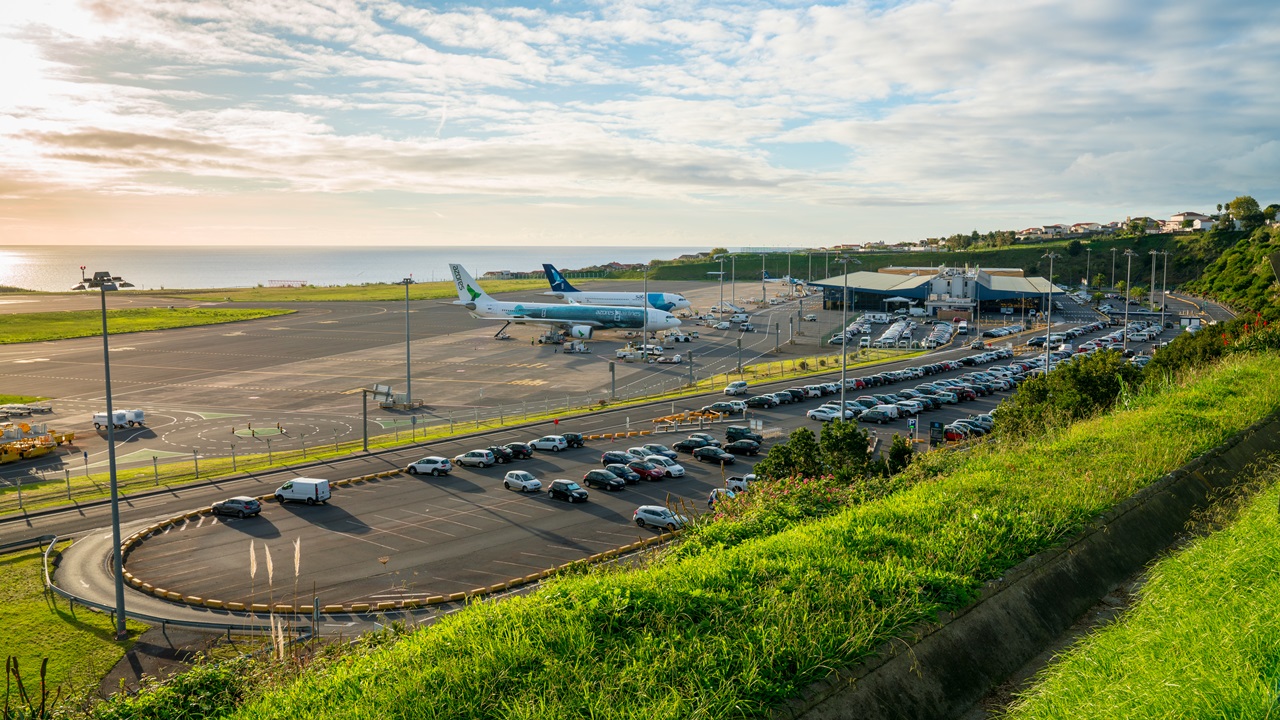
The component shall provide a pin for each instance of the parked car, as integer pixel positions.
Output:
(718, 494)
(610, 457)
(554, 443)
(711, 439)
(519, 450)
(714, 455)
(737, 387)
(521, 480)
(433, 465)
(724, 407)
(762, 401)
(647, 470)
(658, 516)
(567, 490)
(782, 398)
(874, 416)
(476, 458)
(741, 432)
(669, 466)
(240, 506)
(660, 449)
(620, 470)
(501, 454)
(574, 440)
(603, 479)
(743, 447)
(690, 444)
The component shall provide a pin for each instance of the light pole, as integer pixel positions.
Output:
(720, 258)
(763, 294)
(1113, 268)
(1164, 288)
(826, 263)
(1088, 263)
(105, 281)
(408, 367)
(1125, 333)
(1048, 311)
(808, 276)
(1151, 294)
(844, 335)
(733, 280)
(644, 333)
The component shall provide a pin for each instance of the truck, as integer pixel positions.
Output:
(122, 419)
(739, 483)
(880, 318)
(917, 312)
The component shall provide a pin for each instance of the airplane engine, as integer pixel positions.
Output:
(580, 332)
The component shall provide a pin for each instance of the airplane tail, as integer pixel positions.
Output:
(468, 290)
(558, 282)
(766, 275)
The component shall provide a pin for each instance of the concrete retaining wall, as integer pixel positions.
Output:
(951, 665)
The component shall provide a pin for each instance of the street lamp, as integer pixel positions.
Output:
(105, 281)
(720, 259)
(1164, 288)
(644, 334)
(1128, 272)
(733, 280)
(1088, 264)
(408, 368)
(1048, 311)
(1113, 268)
(1151, 294)
(844, 337)
(763, 293)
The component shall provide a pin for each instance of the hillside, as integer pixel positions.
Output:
(1242, 276)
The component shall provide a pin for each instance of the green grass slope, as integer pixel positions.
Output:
(45, 326)
(738, 621)
(1242, 277)
(1202, 642)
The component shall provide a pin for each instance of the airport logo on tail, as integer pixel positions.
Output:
(472, 292)
(557, 280)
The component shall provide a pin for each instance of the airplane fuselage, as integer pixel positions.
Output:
(603, 317)
(669, 302)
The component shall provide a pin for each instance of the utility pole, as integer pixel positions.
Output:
(1151, 294)
(1088, 263)
(1125, 333)
(1113, 268)
(763, 294)
(1048, 316)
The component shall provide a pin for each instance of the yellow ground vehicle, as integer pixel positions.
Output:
(23, 441)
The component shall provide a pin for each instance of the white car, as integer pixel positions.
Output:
(554, 443)
(522, 481)
(739, 406)
(721, 326)
(672, 468)
(658, 516)
(478, 458)
(433, 465)
(737, 387)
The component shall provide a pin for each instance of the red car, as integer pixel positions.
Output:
(647, 470)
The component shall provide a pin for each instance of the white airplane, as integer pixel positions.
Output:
(788, 279)
(579, 320)
(561, 288)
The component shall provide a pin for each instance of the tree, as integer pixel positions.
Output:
(799, 455)
(1269, 212)
(1099, 280)
(1137, 226)
(1087, 385)
(1074, 248)
(1120, 286)
(1098, 297)
(1245, 209)
(900, 453)
(845, 450)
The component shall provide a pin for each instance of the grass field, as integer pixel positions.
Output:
(442, 290)
(45, 326)
(20, 399)
(1201, 642)
(79, 646)
(735, 621)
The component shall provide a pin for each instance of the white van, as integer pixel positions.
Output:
(890, 410)
(739, 318)
(864, 341)
(308, 490)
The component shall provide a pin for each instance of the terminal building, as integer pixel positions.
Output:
(936, 291)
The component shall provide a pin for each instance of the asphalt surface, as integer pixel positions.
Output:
(407, 536)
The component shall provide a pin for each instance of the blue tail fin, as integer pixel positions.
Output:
(558, 283)
(766, 275)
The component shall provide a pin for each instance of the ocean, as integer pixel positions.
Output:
(58, 268)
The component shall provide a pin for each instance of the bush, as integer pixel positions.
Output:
(1084, 387)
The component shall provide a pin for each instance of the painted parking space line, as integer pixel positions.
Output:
(527, 566)
(419, 525)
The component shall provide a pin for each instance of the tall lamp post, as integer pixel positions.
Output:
(763, 293)
(1088, 264)
(1164, 288)
(1048, 311)
(1151, 294)
(720, 259)
(408, 367)
(1127, 273)
(644, 334)
(844, 337)
(105, 281)
(1113, 268)
(733, 280)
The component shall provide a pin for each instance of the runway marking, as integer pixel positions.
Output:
(527, 365)
(32, 360)
(528, 382)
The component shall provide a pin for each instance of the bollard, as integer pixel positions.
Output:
(68, 472)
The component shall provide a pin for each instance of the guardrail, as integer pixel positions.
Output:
(298, 632)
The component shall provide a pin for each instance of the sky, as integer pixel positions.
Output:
(352, 122)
